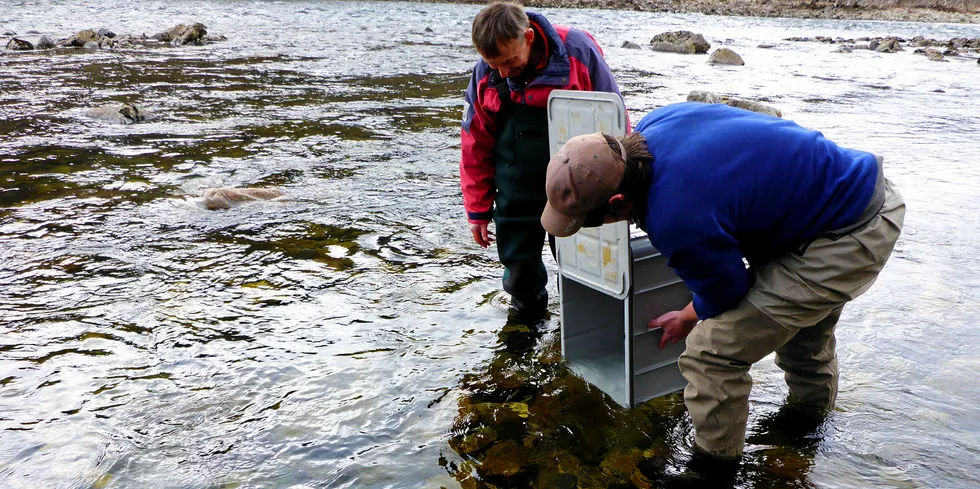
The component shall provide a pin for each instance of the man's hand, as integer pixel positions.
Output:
(676, 324)
(481, 233)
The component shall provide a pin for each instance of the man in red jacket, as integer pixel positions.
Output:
(505, 149)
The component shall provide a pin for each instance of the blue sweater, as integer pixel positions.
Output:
(728, 183)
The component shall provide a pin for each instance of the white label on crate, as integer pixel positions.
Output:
(596, 257)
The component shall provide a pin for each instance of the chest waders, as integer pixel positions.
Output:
(521, 155)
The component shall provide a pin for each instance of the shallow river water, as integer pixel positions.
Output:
(352, 335)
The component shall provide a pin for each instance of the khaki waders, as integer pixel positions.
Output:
(791, 309)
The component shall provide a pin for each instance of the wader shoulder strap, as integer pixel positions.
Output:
(499, 84)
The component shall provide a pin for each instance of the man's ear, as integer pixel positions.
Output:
(528, 36)
(620, 206)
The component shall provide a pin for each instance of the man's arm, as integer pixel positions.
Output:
(714, 272)
(676, 324)
(476, 168)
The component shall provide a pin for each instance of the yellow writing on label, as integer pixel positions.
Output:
(606, 255)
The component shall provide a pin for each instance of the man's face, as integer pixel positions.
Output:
(617, 209)
(513, 55)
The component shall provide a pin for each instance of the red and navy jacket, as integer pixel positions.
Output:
(575, 62)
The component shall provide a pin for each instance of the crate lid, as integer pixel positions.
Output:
(595, 257)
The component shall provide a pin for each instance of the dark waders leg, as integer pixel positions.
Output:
(522, 155)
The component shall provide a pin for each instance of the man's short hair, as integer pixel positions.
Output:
(499, 22)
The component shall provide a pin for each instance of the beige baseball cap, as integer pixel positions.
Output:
(582, 176)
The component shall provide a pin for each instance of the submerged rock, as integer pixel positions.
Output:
(725, 56)
(711, 98)
(119, 114)
(224, 198)
(630, 45)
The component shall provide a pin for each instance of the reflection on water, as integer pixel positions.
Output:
(351, 335)
(525, 421)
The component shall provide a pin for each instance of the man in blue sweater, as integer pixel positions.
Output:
(772, 227)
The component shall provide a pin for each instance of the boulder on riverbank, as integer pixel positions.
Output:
(682, 42)
(725, 56)
(81, 38)
(887, 45)
(16, 44)
(183, 34)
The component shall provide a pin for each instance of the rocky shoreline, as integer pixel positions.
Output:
(91, 39)
(801, 9)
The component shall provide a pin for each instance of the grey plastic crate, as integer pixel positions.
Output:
(605, 339)
(612, 282)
